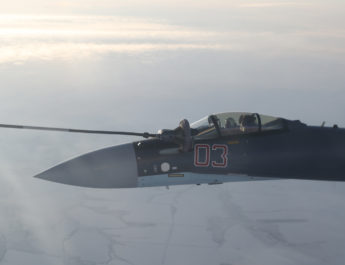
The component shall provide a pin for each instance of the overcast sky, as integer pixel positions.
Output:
(125, 65)
(181, 59)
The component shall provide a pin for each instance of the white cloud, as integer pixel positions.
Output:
(26, 37)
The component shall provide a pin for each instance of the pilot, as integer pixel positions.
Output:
(248, 123)
(230, 123)
(230, 127)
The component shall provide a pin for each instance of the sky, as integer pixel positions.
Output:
(281, 58)
(129, 65)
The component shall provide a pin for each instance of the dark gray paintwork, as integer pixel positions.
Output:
(296, 151)
(113, 167)
(293, 151)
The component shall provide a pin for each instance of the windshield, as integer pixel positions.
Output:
(204, 128)
(269, 123)
(234, 123)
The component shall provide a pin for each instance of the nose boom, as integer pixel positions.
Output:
(113, 167)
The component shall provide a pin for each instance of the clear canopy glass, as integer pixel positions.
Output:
(234, 123)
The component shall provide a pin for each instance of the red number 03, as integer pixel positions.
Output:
(205, 162)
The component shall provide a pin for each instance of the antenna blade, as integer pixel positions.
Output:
(11, 126)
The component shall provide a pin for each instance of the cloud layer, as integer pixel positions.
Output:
(63, 37)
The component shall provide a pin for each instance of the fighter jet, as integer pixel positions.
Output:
(223, 147)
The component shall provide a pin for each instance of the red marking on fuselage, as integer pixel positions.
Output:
(197, 162)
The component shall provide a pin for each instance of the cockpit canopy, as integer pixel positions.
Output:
(235, 123)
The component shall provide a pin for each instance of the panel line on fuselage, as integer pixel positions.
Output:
(184, 178)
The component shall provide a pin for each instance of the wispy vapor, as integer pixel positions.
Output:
(274, 4)
(28, 37)
(63, 37)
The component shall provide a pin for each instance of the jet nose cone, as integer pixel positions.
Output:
(113, 167)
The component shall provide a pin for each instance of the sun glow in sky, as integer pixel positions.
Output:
(68, 37)
(243, 45)
(246, 26)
